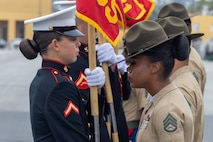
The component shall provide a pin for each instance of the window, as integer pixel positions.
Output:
(211, 28)
(196, 27)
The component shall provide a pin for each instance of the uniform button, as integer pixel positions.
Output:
(90, 137)
(70, 78)
(55, 72)
(86, 112)
(88, 125)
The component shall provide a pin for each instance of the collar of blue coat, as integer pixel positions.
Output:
(52, 64)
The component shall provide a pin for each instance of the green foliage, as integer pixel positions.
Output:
(198, 6)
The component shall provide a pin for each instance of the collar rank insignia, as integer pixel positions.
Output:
(86, 49)
(70, 107)
(170, 123)
(81, 82)
(65, 68)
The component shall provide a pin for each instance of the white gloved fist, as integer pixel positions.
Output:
(95, 77)
(122, 66)
(105, 53)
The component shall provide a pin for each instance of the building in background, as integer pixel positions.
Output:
(202, 23)
(13, 13)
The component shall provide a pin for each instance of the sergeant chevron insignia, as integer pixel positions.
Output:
(170, 123)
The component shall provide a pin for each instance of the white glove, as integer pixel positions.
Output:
(95, 77)
(122, 66)
(105, 53)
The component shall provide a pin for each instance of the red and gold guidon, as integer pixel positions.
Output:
(103, 15)
(137, 10)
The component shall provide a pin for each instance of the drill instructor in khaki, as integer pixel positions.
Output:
(183, 78)
(195, 62)
(167, 117)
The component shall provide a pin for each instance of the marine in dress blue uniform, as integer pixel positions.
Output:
(117, 83)
(56, 104)
(57, 109)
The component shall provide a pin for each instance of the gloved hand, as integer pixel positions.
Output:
(105, 53)
(95, 77)
(122, 66)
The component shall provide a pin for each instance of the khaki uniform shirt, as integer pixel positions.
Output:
(166, 118)
(134, 105)
(187, 84)
(197, 68)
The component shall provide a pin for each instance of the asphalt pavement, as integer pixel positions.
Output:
(16, 73)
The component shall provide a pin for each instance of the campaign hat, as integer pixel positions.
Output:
(173, 25)
(145, 35)
(176, 10)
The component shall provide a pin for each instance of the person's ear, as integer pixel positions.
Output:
(155, 67)
(55, 44)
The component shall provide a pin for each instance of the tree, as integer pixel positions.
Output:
(198, 5)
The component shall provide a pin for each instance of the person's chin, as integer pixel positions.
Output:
(131, 82)
(132, 85)
(74, 60)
